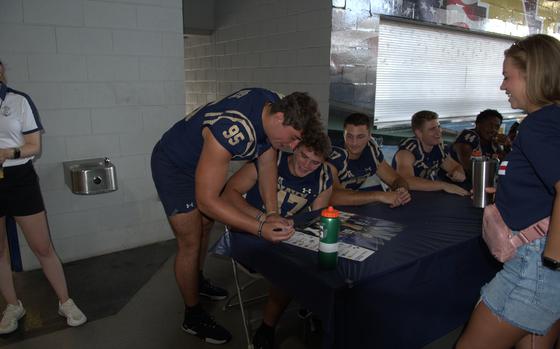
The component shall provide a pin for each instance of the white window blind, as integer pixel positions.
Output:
(450, 72)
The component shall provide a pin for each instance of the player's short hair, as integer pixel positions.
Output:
(420, 118)
(358, 119)
(298, 109)
(317, 140)
(487, 114)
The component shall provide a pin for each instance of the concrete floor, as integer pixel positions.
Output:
(152, 319)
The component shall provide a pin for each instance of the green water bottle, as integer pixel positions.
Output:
(328, 244)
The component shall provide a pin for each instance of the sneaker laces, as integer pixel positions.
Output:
(206, 283)
(10, 309)
(204, 319)
(70, 309)
(9, 314)
(209, 321)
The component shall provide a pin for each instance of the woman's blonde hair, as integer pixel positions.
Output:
(538, 57)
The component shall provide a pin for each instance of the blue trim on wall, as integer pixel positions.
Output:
(13, 244)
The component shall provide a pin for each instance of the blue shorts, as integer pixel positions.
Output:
(525, 293)
(175, 186)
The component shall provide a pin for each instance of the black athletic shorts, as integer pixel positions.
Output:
(20, 194)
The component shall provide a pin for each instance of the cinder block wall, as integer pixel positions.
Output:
(108, 80)
(282, 45)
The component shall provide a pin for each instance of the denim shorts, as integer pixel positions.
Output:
(525, 293)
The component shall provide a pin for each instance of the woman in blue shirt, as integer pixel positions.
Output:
(521, 306)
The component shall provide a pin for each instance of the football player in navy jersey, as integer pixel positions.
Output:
(304, 182)
(520, 306)
(419, 159)
(190, 165)
(358, 159)
(484, 138)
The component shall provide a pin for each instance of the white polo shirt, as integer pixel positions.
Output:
(18, 117)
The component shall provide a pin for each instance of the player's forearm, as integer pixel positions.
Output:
(422, 184)
(457, 168)
(322, 200)
(400, 182)
(223, 211)
(347, 197)
(236, 199)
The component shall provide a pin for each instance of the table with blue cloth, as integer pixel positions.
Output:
(417, 287)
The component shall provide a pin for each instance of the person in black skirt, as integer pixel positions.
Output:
(20, 197)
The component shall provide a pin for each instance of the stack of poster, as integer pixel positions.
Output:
(359, 236)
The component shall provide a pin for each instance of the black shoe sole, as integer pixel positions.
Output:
(206, 339)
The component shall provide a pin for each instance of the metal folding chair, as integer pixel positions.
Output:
(239, 289)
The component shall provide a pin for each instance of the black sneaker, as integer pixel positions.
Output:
(213, 292)
(203, 326)
(263, 338)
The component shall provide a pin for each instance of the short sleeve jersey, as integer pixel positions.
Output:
(426, 165)
(470, 137)
(352, 173)
(18, 117)
(295, 194)
(529, 172)
(235, 122)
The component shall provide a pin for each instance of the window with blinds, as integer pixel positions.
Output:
(456, 74)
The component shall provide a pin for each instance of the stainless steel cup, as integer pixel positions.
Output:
(483, 176)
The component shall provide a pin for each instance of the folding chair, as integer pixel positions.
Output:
(230, 303)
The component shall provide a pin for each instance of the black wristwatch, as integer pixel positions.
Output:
(550, 263)
(17, 153)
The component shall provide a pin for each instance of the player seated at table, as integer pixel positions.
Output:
(484, 137)
(304, 181)
(358, 160)
(419, 159)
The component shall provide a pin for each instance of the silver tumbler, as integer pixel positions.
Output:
(483, 176)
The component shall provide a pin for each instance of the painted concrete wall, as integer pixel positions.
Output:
(198, 16)
(108, 80)
(282, 45)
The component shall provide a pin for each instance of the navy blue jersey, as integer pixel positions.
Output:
(235, 122)
(472, 138)
(353, 173)
(529, 172)
(294, 193)
(426, 165)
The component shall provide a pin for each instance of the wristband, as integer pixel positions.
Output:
(259, 232)
(17, 153)
(260, 216)
(270, 213)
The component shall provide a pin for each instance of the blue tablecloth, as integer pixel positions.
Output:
(419, 286)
